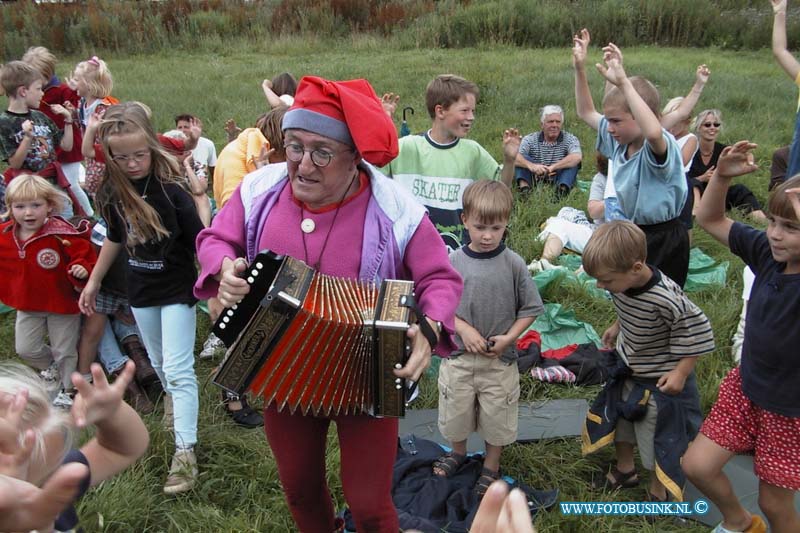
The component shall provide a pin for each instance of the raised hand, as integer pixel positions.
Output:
(778, 6)
(389, 102)
(702, 74)
(580, 47)
(511, 142)
(612, 70)
(99, 401)
(736, 160)
(14, 451)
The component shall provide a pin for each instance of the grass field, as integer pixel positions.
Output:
(239, 489)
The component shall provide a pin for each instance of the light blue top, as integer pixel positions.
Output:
(648, 192)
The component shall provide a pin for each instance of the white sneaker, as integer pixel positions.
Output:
(63, 400)
(210, 347)
(51, 377)
(182, 473)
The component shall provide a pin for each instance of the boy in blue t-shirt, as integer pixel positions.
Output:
(648, 169)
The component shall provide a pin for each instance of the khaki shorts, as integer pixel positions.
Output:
(642, 432)
(478, 393)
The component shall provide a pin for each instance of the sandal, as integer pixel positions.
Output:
(486, 478)
(448, 464)
(621, 480)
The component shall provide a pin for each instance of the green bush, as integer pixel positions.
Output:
(139, 27)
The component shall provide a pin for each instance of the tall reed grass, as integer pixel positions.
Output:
(138, 27)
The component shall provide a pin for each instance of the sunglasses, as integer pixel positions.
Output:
(709, 124)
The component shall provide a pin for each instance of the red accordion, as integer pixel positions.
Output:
(317, 343)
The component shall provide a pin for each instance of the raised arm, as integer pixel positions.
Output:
(583, 96)
(684, 109)
(779, 46)
(511, 140)
(120, 437)
(734, 161)
(647, 121)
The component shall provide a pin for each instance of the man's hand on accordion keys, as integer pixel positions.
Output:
(232, 286)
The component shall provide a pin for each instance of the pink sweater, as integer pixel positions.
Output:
(437, 285)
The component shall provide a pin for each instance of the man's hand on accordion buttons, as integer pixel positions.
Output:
(420, 357)
(232, 287)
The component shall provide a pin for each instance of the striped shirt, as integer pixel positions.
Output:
(536, 150)
(659, 326)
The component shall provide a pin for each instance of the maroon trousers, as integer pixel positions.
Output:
(368, 449)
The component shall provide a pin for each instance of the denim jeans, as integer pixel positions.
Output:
(108, 350)
(168, 333)
(564, 176)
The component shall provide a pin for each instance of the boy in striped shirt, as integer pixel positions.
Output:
(659, 334)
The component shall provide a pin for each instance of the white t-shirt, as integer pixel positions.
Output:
(205, 152)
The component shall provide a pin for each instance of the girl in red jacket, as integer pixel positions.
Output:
(44, 261)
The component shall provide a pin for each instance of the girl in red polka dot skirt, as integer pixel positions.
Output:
(758, 408)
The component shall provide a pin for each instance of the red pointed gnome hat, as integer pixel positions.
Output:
(346, 111)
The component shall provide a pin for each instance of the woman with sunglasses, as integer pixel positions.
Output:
(707, 125)
(330, 207)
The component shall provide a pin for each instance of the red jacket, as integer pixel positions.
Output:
(34, 274)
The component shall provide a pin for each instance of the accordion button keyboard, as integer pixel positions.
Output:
(250, 280)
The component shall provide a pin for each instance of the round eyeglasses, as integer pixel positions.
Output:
(320, 158)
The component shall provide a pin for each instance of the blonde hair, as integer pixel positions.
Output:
(646, 90)
(28, 187)
(779, 203)
(615, 246)
(39, 415)
(98, 78)
(117, 191)
(487, 200)
(701, 118)
(42, 60)
(447, 89)
(672, 105)
(16, 74)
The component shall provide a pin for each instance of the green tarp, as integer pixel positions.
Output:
(559, 327)
(704, 273)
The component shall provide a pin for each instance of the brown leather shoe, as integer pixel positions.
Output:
(138, 399)
(135, 350)
(146, 375)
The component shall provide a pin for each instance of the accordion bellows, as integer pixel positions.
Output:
(316, 343)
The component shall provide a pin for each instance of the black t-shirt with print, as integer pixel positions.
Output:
(46, 138)
(161, 272)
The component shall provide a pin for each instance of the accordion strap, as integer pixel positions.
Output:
(409, 301)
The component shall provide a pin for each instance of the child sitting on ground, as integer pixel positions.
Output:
(43, 261)
(658, 336)
(44, 439)
(479, 383)
(758, 409)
